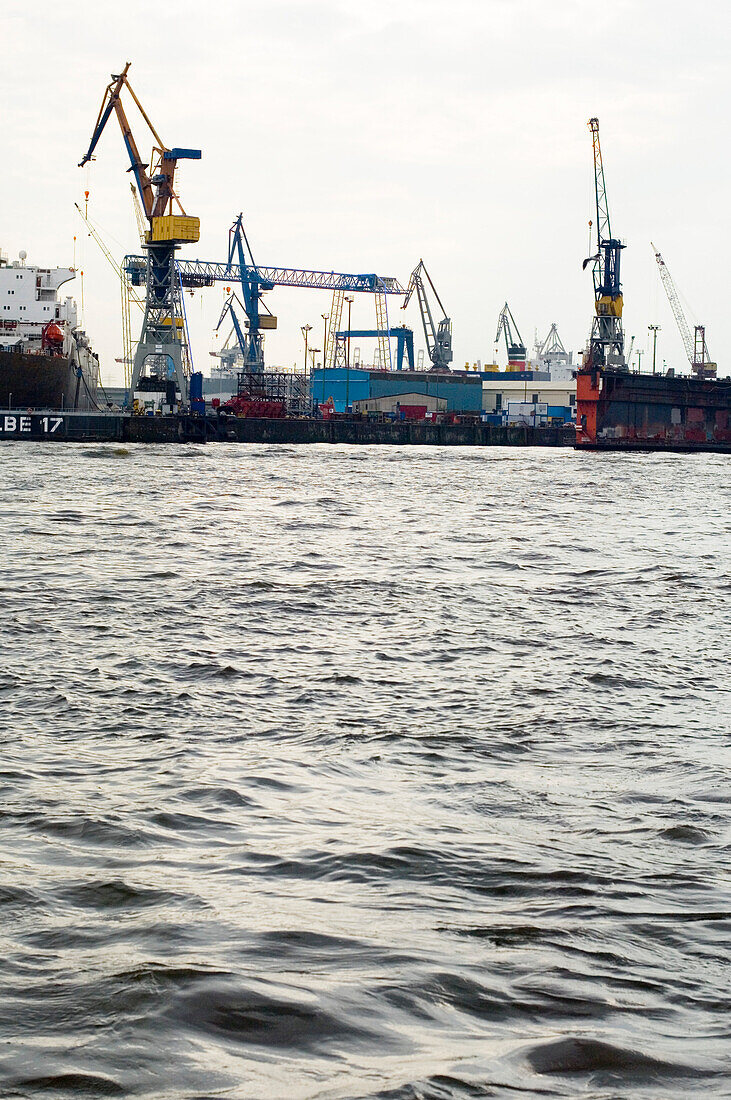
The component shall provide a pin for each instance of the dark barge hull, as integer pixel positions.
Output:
(621, 411)
(41, 382)
(79, 427)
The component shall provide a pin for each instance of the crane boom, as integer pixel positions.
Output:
(695, 345)
(604, 231)
(674, 300)
(112, 102)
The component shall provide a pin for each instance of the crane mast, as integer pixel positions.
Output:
(162, 357)
(695, 345)
(606, 344)
(439, 337)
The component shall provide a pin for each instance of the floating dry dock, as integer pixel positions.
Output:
(70, 427)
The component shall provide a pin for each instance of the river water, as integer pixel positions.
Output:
(364, 772)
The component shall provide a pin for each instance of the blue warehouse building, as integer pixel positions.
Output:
(462, 392)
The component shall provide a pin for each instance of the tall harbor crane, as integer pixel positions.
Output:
(162, 349)
(695, 346)
(513, 340)
(439, 339)
(606, 344)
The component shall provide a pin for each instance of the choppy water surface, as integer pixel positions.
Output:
(363, 772)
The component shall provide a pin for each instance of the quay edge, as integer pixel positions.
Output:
(56, 426)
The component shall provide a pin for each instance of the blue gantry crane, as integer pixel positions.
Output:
(403, 335)
(162, 349)
(255, 280)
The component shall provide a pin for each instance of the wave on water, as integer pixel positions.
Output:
(339, 773)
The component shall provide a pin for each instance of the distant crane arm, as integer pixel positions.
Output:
(139, 216)
(674, 300)
(505, 326)
(228, 307)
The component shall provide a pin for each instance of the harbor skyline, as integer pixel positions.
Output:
(361, 139)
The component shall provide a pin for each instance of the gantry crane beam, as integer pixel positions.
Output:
(403, 335)
(206, 273)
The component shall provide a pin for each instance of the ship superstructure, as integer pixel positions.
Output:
(45, 357)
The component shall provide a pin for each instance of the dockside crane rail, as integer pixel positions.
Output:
(606, 344)
(507, 327)
(695, 345)
(439, 337)
(162, 348)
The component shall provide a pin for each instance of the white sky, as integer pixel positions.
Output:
(360, 137)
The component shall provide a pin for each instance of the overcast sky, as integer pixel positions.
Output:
(363, 136)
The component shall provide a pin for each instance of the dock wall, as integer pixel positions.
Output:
(122, 428)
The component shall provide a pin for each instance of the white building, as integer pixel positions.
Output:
(501, 390)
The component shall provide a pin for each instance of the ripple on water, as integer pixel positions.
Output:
(339, 773)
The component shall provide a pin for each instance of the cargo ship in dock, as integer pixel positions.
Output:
(46, 360)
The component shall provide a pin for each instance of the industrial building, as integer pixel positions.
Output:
(343, 387)
(404, 405)
(502, 390)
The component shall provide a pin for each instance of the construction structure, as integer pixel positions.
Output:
(514, 343)
(255, 280)
(606, 342)
(161, 362)
(695, 344)
(439, 337)
(553, 357)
